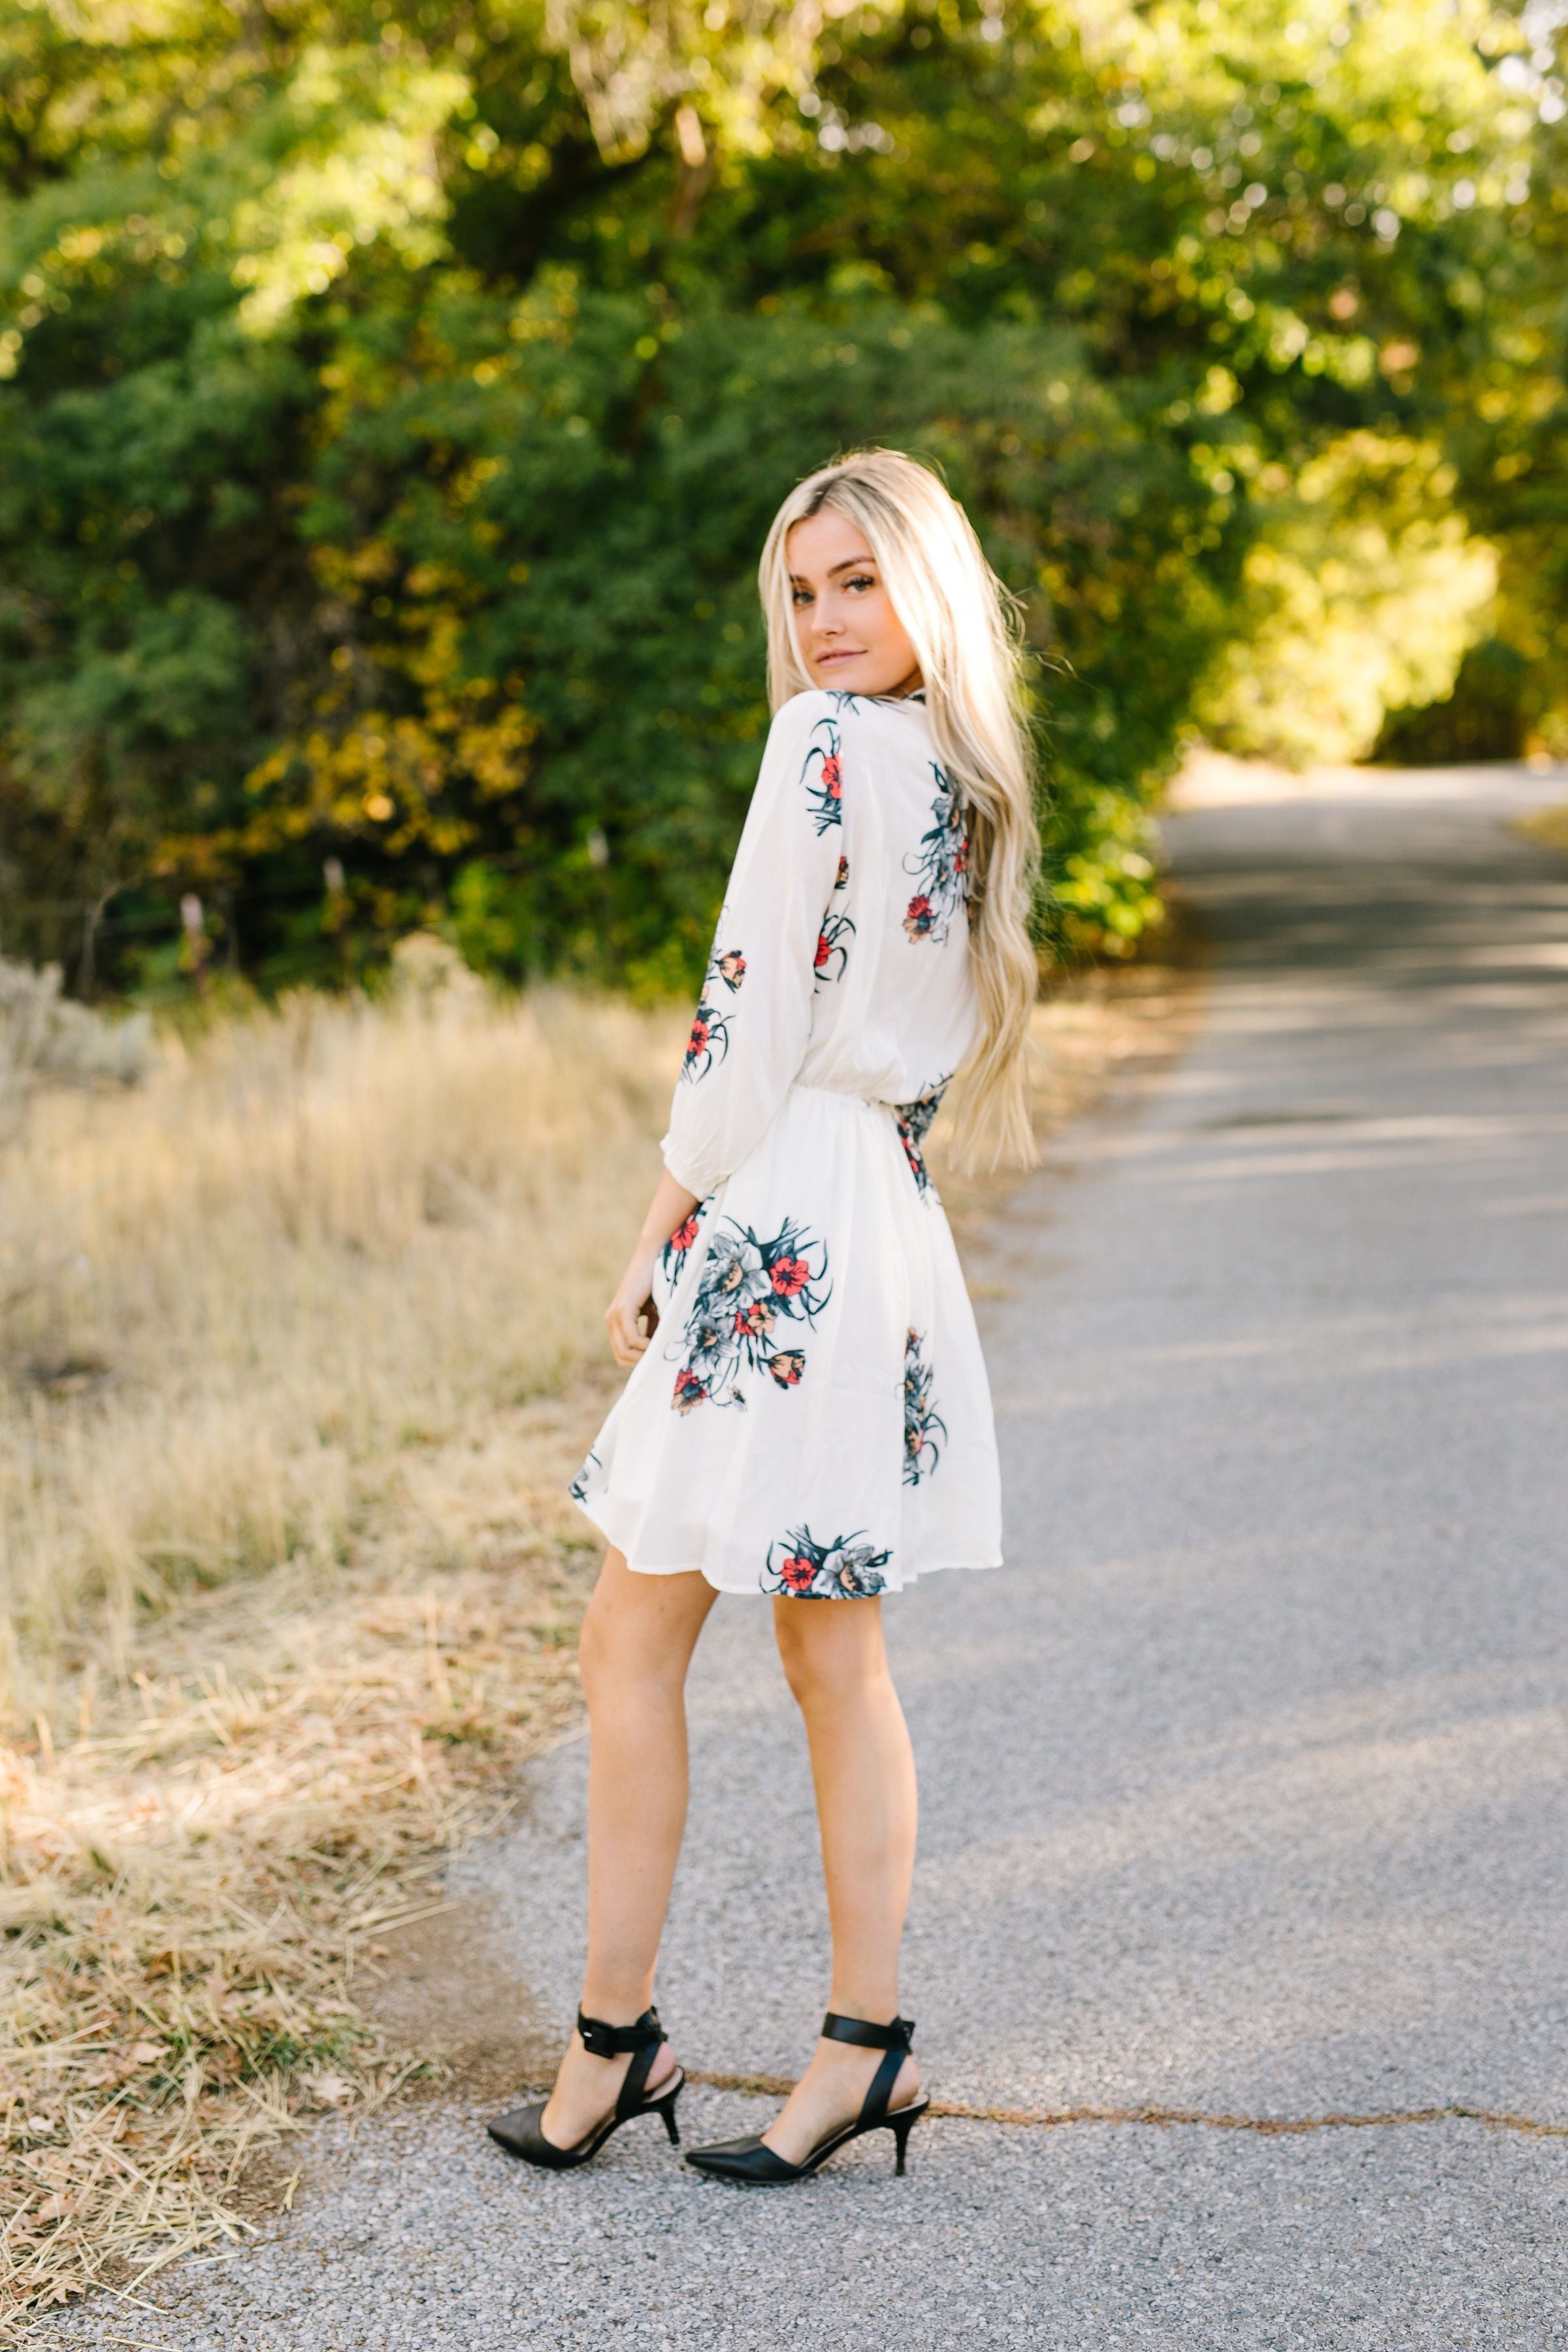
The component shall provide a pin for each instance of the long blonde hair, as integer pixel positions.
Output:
(962, 625)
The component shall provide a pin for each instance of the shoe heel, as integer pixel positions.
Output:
(667, 2109)
(901, 2134)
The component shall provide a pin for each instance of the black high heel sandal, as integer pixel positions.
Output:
(754, 2165)
(522, 2132)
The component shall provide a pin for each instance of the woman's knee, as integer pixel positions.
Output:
(831, 1650)
(634, 1633)
(616, 1647)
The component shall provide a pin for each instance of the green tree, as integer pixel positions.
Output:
(394, 398)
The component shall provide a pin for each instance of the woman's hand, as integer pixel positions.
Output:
(631, 1317)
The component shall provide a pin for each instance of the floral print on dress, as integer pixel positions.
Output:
(847, 1569)
(923, 1424)
(832, 947)
(710, 1039)
(822, 774)
(708, 1044)
(747, 1289)
(941, 864)
(672, 1257)
(914, 1120)
(837, 931)
(578, 1490)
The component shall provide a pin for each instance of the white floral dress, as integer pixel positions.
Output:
(812, 1415)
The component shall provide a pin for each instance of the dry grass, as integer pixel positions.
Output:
(194, 1893)
(1548, 826)
(238, 1299)
(300, 1342)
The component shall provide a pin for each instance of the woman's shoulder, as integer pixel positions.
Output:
(822, 741)
(824, 706)
(805, 710)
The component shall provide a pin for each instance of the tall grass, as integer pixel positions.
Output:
(314, 1242)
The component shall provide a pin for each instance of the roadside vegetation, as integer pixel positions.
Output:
(394, 394)
(311, 1242)
(1548, 826)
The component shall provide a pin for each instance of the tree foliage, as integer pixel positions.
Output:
(396, 393)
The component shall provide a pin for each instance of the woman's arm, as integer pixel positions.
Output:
(633, 1302)
(754, 1022)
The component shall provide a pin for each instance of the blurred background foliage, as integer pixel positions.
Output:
(397, 391)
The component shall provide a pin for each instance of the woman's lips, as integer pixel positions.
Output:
(823, 659)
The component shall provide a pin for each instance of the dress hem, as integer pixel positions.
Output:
(695, 1568)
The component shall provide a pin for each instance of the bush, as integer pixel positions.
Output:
(46, 1037)
(1487, 716)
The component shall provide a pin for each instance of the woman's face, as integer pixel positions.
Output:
(850, 638)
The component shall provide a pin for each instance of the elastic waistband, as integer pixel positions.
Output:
(843, 1095)
(856, 1102)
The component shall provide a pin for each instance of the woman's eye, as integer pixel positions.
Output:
(800, 596)
(862, 580)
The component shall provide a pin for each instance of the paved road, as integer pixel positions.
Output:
(1245, 1784)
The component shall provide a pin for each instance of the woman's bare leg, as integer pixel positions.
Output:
(864, 1771)
(637, 1644)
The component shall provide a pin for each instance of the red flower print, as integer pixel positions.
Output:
(747, 1287)
(843, 874)
(925, 1431)
(708, 1043)
(731, 967)
(833, 940)
(914, 1118)
(847, 1568)
(822, 774)
(683, 1236)
(941, 865)
(790, 1276)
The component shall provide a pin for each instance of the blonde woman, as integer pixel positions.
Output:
(807, 1414)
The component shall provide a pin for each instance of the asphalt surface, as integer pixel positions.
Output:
(1244, 1783)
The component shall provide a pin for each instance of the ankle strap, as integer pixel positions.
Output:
(613, 2040)
(894, 2039)
(866, 2036)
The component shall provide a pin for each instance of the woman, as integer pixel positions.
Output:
(807, 1414)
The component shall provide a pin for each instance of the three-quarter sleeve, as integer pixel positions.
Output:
(753, 1022)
